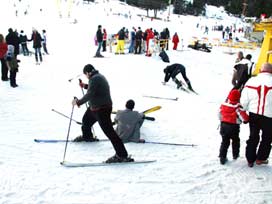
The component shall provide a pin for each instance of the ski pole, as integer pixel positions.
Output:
(66, 116)
(68, 133)
(167, 143)
(80, 81)
(74, 77)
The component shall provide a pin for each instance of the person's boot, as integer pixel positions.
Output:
(179, 84)
(190, 86)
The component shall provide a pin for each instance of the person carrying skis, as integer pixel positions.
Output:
(231, 115)
(100, 108)
(129, 123)
(172, 71)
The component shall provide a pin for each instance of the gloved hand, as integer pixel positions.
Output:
(81, 84)
(74, 102)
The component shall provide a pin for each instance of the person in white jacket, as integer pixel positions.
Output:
(257, 100)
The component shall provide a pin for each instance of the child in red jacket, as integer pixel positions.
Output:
(231, 116)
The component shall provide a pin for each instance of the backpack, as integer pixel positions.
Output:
(164, 56)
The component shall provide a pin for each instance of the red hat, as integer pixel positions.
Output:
(234, 95)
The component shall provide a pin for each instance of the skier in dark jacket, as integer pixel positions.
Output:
(172, 71)
(23, 41)
(100, 108)
(138, 41)
(37, 44)
(99, 38)
(12, 38)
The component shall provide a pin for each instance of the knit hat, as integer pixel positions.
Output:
(234, 95)
(130, 104)
(88, 68)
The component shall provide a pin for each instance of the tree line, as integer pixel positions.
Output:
(248, 8)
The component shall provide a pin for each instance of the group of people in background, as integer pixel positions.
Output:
(139, 41)
(12, 45)
(250, 101)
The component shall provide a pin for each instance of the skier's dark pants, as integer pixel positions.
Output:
(45, 48)
(229, 132)
(104, 46)
(175, 73)
(103, 117)
(4, 69)
(138, 47)
(259, 123)
(38, 53)
(13, 77)
(25, 49)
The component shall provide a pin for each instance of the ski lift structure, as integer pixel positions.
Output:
(266, 48)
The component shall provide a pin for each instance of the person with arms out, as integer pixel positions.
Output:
(37, 44)
(231, 115)
(129, 123)
(100, 108)
(257, 99)
(172, 71)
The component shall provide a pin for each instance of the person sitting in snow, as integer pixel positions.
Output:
(172, 71)
(129, 123)
(231, 115)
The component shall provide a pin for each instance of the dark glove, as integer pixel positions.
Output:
(81, 84)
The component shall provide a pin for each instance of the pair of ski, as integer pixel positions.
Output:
(104, 140)
(96, 164)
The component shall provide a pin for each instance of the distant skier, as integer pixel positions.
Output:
(99, 38)
(37, 44)
(175, 41)
(44, 42)
(172, 71)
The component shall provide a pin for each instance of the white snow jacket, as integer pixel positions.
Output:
(257, 95)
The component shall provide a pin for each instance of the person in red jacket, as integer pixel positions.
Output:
(104, 43)
(3, 51)
(175, 41)
(150, 36)
(231, 116)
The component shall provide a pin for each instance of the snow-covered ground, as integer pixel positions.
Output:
(31, 172)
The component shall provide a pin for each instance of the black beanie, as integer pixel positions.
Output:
(88, 68)
(130, 104)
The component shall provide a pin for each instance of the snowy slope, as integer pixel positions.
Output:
(31, 173)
